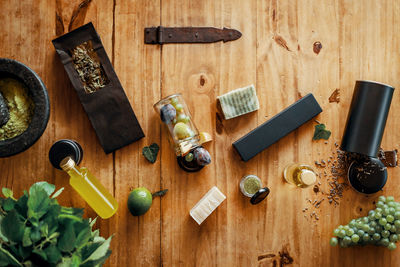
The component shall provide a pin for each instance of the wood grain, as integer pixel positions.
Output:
(359, 40)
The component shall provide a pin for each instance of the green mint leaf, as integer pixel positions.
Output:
(49, 188)
(26, 239)
(321, 132)
(7, 192)
(150, 152)
(35, 234)
(160, 193)
(7, 259)
(22, 206)
(66, 242)
(23, 252)
(65, 262)
(41, 253)
(8, 204)
(98, 262)
(53, 254)
(76, 260)
(92, 222)
(38, 202)
(12, 226)
(2, 236)
(59, 191)
(100, 252)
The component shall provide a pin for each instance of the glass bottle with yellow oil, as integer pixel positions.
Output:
(66, 155)
(300, 175)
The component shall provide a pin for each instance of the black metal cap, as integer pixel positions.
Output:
(366, 119)
(367, 176)
(259, 196)
(65, 148)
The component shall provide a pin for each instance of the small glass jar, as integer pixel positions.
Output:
(249, 185)
(175, 114)
(300, 175)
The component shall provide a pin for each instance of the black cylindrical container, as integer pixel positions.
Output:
(366, 119)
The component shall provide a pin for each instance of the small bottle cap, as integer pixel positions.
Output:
(65, 148)
(308, 177)
(259, 196)
(67, 164)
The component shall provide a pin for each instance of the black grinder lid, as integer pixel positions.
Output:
(368, 175)
(366, 119)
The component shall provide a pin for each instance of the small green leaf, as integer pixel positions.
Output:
(26, 239)
(38, 202)
(92, 222)
(2, 236)
(12, 226)
(35, 234)
(150, 152)
(160, 193)
(41, 253)
(9, 204)
(53, 254)
(7, 192)
(49, 188)
(59, 191)
(6, 256)
(100, 252)
(24, 252)
(321, 132)
(21, 206)
(66, 242)
(65, 262)
(75, 260)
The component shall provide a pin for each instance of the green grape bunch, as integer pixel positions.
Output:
(381, 227)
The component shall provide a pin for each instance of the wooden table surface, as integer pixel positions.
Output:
(360, 40)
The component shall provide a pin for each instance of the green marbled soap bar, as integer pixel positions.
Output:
(239, 101)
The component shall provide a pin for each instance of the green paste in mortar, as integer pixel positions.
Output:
(20, 106)
(251, 185)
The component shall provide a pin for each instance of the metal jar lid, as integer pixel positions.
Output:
(366, 119)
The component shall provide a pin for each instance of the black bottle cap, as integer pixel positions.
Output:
(65, 148)
(259, 196)
(367, 175)
(366, 119)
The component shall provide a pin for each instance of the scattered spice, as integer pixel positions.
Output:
(316, 188)
(335, 96)
(388, 158)
(317, 46)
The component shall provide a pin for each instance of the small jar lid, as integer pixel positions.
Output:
(65, 148)
(368, 175)
(259, 196)
(308, 177)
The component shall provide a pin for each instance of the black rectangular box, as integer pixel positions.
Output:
(108, 108)
(277, 127)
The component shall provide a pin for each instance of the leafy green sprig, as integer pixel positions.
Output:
(36, 231)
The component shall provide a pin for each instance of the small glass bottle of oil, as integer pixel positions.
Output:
(300, 175)
(90, 189)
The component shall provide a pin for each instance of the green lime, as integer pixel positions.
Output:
(139, 201)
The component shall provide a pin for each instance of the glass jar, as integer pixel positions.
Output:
(251, 186)
(175, 114)
(300, 175)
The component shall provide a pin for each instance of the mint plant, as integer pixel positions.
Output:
(36, 231)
